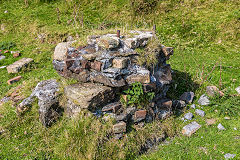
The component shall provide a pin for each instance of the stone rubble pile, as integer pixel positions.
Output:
(107, 65)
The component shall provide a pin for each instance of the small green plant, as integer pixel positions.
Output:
(137, 97)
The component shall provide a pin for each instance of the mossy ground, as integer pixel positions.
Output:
(205, 36)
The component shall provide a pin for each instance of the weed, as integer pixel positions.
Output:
(137, 97)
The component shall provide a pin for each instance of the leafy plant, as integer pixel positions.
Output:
(137, 97)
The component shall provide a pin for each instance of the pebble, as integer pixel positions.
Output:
(203, 100)
(220, 127)
(235, 128)
(193, 106)
(2, 57)
(200, 112)
(191, 128)
(227, 118)
(211, 121)
(188, 116)
(238, 89)
(229, 155)
(3, 67)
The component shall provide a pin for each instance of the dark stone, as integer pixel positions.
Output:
(113, 107)
(187, 97)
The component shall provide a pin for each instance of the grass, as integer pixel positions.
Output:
(205, 36)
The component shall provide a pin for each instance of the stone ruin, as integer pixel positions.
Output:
(105, 67)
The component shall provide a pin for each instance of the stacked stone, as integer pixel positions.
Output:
(110, 62)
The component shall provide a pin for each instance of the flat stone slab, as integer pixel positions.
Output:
(18, 65)
(188, 116)
(89, 95)
(191, 128)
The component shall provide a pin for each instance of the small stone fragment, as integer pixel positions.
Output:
(227, 118)
(108, 42)
(163, 114)
(61, 50)
(210, 121)
(3, 67)
(121, 117)
(113, 107)
(131, 110)
(191, 128)
(15, 79)
(193, 106)
(2, 57)
(120, 62)
(140, 115)
(229, 156)
(119, 127)
(18, 65)
(187, 97)
(200, 112)
(203, 100)
(118, 136)
(179, 104)
(188, 116)
(238, 90)
(213, 90)
(220, 127)
(142, 76)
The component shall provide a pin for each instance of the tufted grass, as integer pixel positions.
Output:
(205, 36)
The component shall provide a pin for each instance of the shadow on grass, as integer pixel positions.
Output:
(182, 82)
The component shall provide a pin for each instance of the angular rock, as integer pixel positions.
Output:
(15, 79)
(89, 95)
(212, 91)
(187, 97)
(210, 121)
(220, 127)
(238, 90)
(18, 65)
(179, 104)
(131, 110)
(140, 115)
(191, 128)
(200, 112)
(203, 100)
(47, 94)
(229, 156)
(96, 65)
(188, 116)
(58, 65)
(121, 117)
(108, 42)
(112, 107)
(164, 114)
(193, 106)
(120, 127)
(101, 78)
(118, 136)
(15, 53)
(61, 50)
(142, 76)
(120, 62)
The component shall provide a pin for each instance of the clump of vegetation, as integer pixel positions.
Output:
(137, 97)
(149, 55)
(226, 105)
(7, 45)
(143, 6)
